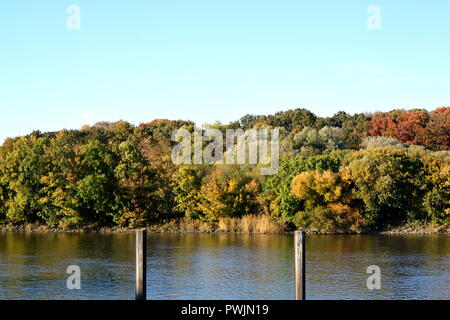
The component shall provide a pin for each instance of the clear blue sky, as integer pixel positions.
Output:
(216, 59)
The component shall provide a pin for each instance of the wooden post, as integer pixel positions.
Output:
(299, 242)
(141, 265)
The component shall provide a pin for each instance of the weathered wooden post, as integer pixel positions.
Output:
(141, 265)
(299, 242)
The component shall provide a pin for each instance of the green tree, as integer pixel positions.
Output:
(437, 197)
(21, 170)
(389, 184)
(279, 185)
(187, 184)
(136, 194)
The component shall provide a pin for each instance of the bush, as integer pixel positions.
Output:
(378, 142)
(279, 185)
(319, 219)
(389, 183)
(334, 218)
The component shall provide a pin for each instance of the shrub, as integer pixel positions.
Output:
(378, 142)
(389, 183)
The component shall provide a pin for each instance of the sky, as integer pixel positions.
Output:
(216, 60)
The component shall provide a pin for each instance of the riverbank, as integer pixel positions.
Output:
(245, 225)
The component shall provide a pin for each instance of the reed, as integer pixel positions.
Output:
(251, 224)
(246, 224)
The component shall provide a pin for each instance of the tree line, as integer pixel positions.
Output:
(338, 174)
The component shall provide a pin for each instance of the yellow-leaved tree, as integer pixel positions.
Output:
(328, 204)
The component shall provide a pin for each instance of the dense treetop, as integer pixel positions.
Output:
(340, 173)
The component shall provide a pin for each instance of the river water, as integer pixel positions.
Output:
(237, 266)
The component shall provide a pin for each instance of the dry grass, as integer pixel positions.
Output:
(251, 224)
(228, 225)
(187, 225)
(182, 225)
(246, 224)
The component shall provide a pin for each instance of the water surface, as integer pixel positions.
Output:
(203, 266)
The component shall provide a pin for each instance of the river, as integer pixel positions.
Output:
(223, 266)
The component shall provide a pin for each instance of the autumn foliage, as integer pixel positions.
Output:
(344, 173)
(431, 130)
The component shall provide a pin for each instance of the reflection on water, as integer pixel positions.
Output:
(196, 266)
